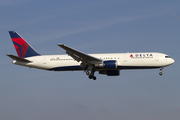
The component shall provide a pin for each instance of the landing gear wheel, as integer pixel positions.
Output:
(92, 77)
(160, 73)
(87, 73)
(90, 71)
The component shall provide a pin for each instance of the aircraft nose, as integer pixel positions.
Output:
(172, 61)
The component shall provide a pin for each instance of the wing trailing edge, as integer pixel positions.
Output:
(79, 56)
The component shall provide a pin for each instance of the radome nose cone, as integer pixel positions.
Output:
(172, 61)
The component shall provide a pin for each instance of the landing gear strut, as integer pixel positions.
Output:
(91, 72)
(90, 76)
(160, 73)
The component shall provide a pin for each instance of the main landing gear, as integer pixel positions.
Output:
(160, 73)
(89, 69)
(91, 75)
(90, 72)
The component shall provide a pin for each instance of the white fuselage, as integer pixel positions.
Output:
(124, 61)
(107, 64)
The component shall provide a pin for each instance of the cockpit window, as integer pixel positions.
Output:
(167, 56)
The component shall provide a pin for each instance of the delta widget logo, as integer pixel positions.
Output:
(131, 56)
(141, 56)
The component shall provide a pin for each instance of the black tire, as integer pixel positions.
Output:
(90, 77)
(94, 78)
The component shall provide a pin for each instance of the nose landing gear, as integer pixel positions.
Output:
(160, 73)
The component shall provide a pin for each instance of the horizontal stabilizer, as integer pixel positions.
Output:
(18, 58)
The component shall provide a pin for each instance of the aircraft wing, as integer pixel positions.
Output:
(79, 56)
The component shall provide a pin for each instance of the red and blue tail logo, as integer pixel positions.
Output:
(23, 49)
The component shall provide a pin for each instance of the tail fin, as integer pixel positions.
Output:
(23, 49)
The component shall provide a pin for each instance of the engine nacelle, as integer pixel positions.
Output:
(110, 72)
(110, 64)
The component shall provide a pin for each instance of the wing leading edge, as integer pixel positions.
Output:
(79, 56)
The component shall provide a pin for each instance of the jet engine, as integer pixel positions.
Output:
(110, 72)
(109, 64)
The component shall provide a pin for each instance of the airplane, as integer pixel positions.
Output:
(108, 64)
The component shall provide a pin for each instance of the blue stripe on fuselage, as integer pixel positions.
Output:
(69, 68)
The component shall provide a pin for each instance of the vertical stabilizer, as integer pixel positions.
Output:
(23, 49)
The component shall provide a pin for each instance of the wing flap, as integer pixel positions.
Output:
(18, 58)
(79, 56)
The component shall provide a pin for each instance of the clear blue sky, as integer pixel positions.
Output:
(96, 26)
